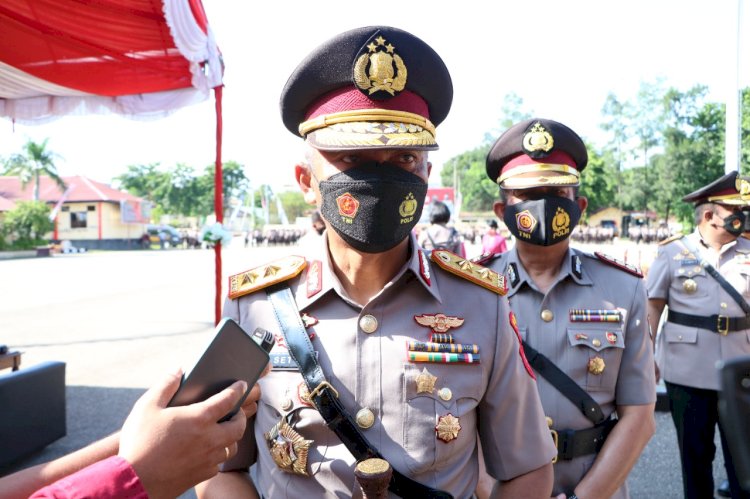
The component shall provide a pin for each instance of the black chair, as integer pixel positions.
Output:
(32, 409)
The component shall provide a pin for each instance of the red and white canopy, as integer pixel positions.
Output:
(140, 58)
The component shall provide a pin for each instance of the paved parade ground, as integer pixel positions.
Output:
(119, 320)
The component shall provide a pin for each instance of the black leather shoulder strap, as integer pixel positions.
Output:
(325, 397)
(736, 296)
(564, 384)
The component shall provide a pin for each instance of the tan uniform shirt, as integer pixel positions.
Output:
(496, 398)
(625, 347)
(688, 355)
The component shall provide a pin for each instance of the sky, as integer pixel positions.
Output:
(561, 57)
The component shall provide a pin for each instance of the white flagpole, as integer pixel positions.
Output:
(732, 124)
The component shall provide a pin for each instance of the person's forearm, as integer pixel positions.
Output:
(25, 482)
(624, 445)
(654, 307)
(535, 484)
(227, 484)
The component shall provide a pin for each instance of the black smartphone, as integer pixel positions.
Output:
(232, 355)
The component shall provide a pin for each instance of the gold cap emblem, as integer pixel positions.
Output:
(380, 69)
(538, 139)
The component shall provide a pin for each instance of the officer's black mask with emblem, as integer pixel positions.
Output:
(544, 221)
(734, 223)
(374, 206)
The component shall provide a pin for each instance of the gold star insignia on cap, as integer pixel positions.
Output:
(538, 139)
(448, 427)
(425, 382)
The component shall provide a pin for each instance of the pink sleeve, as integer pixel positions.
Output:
(110, 478)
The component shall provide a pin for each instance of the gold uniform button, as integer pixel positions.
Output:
(445, 393)
(549, 421)
(723, 305)
(286, 404)
(547, 315)
(365, 418)
(368, 324)
(596, 342)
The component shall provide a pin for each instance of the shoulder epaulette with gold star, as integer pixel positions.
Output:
(670, 239)
(261, 277)
(473, 272)
(618, 264)
(485, 258)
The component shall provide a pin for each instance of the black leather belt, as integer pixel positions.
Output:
(576, 443)
(720, 324)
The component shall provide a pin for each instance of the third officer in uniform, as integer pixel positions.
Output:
(582, 316)
(704, 280)
(381, 348)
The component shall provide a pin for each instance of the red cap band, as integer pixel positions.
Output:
(557, 157)
(350, 99)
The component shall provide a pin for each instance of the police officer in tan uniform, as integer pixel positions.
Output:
(381, 348)
(582, 316)
(706, 322)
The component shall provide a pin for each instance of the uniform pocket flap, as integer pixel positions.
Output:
(680, 334)
(691, 270)
(596, 339)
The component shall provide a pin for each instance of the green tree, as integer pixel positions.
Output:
(745, 132)
(146, 181)
(693, 152)
(27, 223)
(294, 205)
(178, 191)
(615, 122)
(600, 180)
(478, 192)
(35, 161)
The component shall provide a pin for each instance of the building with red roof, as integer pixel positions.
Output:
(88, 213)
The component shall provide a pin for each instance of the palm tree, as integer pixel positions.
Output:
(31, 165)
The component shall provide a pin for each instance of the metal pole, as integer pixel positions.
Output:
(733, 121)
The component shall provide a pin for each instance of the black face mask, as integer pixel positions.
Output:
(545, 221)
(734, 223)
(374, 206)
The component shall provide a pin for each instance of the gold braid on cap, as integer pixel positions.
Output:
(325, 120)
(539, 167)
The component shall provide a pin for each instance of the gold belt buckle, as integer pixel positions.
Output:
(722, 330)
(320, 387)
(554, 436)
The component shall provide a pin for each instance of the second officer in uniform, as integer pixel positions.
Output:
(582, 316)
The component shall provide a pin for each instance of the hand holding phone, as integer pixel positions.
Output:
(231, 355)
